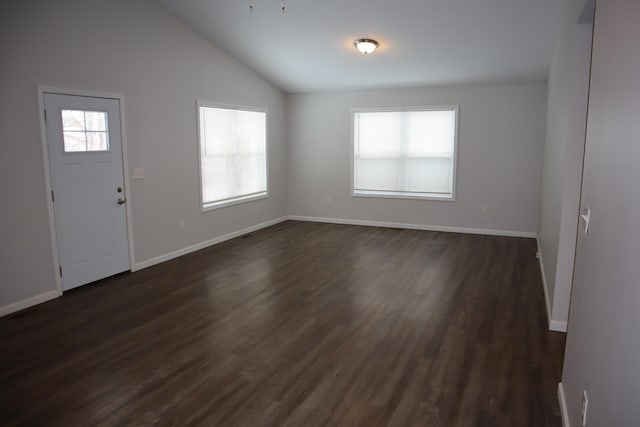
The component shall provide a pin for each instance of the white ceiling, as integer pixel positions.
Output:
(422, 42)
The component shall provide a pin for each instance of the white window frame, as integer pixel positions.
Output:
(209, 206)
(405, 194)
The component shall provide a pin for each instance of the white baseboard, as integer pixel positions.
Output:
(29, 302)
(544, 281)
(466, 230)
(563, 406)
(205, 244)
(554, 325)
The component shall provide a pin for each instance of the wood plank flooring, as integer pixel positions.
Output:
(300, 324)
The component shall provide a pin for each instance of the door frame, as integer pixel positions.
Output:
(42, 90)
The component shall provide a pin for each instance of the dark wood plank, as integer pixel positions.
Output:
(300, 324)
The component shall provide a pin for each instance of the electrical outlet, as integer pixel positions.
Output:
(328, 200)
(484, 211)
(585, 404)
(180, 225)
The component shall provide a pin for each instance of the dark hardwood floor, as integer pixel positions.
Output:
(300, 324)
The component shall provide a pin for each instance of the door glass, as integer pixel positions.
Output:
(85, 131)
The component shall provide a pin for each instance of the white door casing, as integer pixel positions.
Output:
(90, 225)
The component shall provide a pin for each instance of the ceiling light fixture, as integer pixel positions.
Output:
(366, 46)
(282, 5)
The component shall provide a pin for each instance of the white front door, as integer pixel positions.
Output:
(85, 159)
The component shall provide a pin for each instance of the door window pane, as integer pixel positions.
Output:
(72, 120)
(75, 141)
(95, 120)
(96, 141)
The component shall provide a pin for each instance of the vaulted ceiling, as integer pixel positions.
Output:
(309, 47)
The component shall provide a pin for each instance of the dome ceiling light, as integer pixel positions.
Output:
(366, 46)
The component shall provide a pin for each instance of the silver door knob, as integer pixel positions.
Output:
(122, 201)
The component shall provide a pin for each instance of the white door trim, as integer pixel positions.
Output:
(47, 171)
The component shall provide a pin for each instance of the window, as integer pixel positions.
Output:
(84, 131)
(233, 155)
(408, 153)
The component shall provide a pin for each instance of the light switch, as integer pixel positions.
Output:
(138, 173)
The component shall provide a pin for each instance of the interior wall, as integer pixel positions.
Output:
(568, 89)
(162, 67)
(501, 131)
(602, 349)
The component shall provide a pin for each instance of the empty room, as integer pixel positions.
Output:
(305, 213)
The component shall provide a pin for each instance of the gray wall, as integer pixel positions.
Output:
(563, 154)
(499, 158)
(161, 67)
(603, 349)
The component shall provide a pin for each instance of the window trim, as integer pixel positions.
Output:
(205, 207)
(106, 131)
(406, 194)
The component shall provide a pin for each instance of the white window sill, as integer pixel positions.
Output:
(234, 201)
(404, 195)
